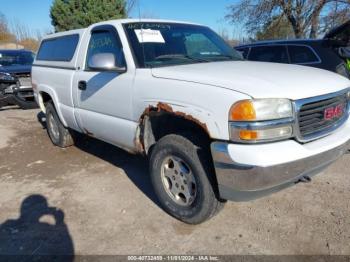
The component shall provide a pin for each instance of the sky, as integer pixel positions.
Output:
(35, 13)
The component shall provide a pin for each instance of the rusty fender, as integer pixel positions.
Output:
(161, 108)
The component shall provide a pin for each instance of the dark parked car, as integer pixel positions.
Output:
(15, 78)
(330, 53)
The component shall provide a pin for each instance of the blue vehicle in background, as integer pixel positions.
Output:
(15, 78)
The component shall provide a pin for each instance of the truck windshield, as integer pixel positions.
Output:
(166, 44)
(15, 58)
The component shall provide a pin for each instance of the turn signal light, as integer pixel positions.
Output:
(261, 135)
(243, 111)
(248, 135)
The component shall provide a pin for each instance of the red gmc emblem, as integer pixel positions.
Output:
(333, 112)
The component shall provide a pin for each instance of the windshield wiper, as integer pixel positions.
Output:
(181, 56)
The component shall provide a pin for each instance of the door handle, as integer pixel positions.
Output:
(82, 85)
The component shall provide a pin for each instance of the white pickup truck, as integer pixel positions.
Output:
(214, 127)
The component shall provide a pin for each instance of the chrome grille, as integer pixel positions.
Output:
(311, 116)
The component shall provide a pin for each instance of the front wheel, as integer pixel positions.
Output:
(183, 180)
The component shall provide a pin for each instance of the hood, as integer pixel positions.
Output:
(258, 79)
(16, 69)
(340, 33)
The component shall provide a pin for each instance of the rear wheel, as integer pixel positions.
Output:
(183, 179)
(58, 133)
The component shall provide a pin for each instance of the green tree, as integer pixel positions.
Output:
(73, 14)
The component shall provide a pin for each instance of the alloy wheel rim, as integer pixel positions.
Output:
(178, 180)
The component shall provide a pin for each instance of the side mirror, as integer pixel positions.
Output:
(104, 62)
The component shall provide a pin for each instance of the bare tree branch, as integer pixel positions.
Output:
(306, 17)
(130, 4)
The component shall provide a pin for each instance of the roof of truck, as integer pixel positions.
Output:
(148, 20)
(118, 21)
(70, 32)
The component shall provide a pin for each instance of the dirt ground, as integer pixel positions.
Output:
(96, 199)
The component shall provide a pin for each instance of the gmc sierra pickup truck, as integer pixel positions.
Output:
(213, 126)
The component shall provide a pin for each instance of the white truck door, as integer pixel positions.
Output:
(104, 97)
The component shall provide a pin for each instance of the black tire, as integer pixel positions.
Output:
(24, 104)
(205, 204)
(27, 105)
(59, 134)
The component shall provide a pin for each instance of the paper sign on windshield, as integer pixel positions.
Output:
(149, 36)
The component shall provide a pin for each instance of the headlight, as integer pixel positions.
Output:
(261, 110)
(6, 77)
(261, 120)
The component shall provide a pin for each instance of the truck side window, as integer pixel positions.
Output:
(58, 49)
(302, 55)
(106, 41)
(275, 54)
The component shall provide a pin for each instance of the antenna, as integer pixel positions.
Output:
(139, 7)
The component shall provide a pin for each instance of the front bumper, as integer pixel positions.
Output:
(246, 172)
(22, 96)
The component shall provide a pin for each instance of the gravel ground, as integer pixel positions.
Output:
(94, 199)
